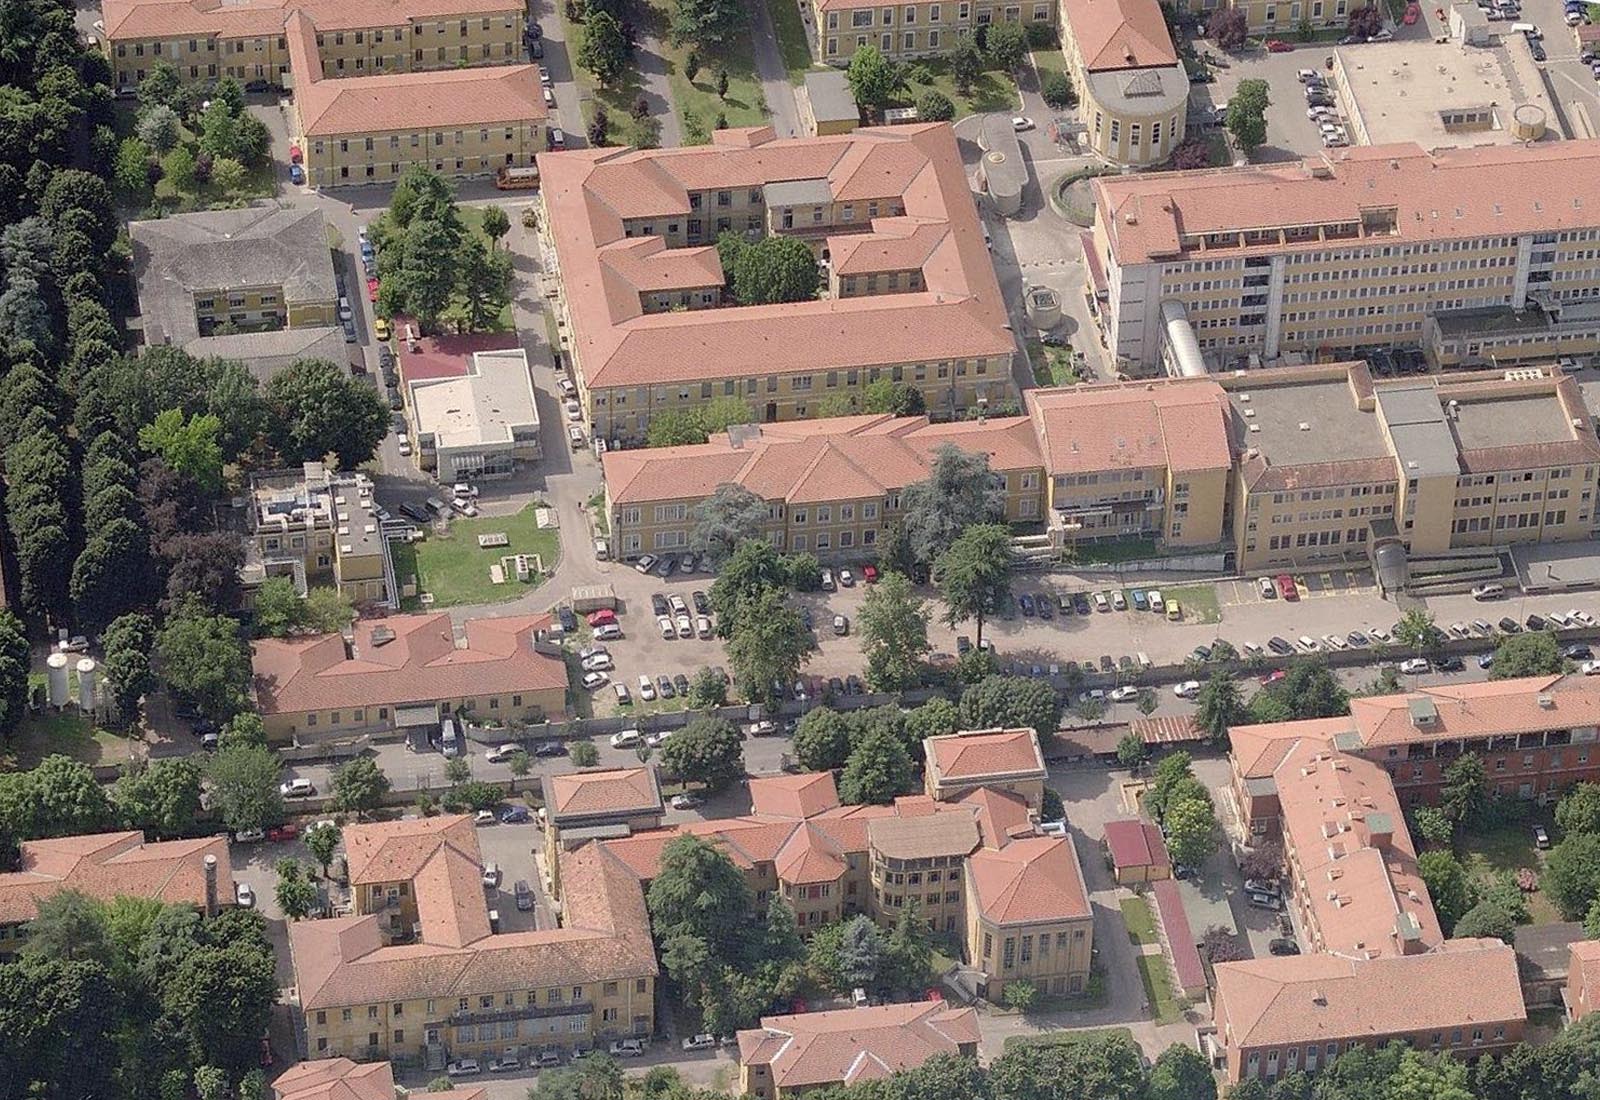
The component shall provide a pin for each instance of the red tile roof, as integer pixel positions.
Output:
(1135, 844)
(342, 1079)
(985, 754)
(612, 791)
(856, 1044)
(1180, 938)
(1178, 424)
(401, 660)
(1030, 880)
(804, 795)
(111, 865)
(1119, 34)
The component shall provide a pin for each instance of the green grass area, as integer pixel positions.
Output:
(472, 220)
(1198, 601)
(793, 44)
(456, 570)
(1050, 60)
(597, 513)
(1487, 856)
(65, 733)
(618, 100)
(993, 91)
(1116, 550)
(1141, 923)
(1053, 366)
(259, 182)
(1158, 989)
(1069, 1038)
(697, 102)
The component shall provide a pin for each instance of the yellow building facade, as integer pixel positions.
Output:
(905, 31)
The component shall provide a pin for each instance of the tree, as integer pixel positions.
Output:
(1572, 874)
(775, 269)
(1191, 154)
(322, 841)
(132, 174)
(113, 574)
(14, 655)
(228, 174)
(1416, 631)
(1448, 885)
(1131, 750)
(317, 409)
(966, 63)
(722, 83)
(1579, 809)
(1011, 702)
(726, 518)
(1308, 691)
(974, 574)
(707, 688)
(219, 131)
(1219, 706)
(1181, 1073)
(599, 130)
(878, 769)
(1247, 115)
(584, 754)
(128, 642)
(484, 279)
(872, 77)
(1192, 831)
(359, 786)
(897, 398)
(1433, 825)
(1228, 27)
(1486, 920)
(219, 999)
(699, 893)
(244, 786)
(161, 86)
(934, 106)
(59, 797)
(422, 280)
(296, 893)
(675, 428)
(822, 740)
(893, 623)
(604, 51)
(1365, 22)
(1535, 653)
(496, 224)
(1105, 1067)
(959, 492)
(709, 751)
(706, 23)
(1263, 861)
(161, 798)
(1007, 45)
(1465, 792)
(1056, 89)
(188, 446)
(768, 645)
(1019, 994)
(203, 659)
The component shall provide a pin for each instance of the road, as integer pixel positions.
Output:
(557, 61)
(775, 86)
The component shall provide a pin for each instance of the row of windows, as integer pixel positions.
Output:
(359, 715)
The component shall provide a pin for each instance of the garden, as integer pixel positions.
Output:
(454, 569)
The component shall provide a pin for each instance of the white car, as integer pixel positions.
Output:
(1310, 644)
(658, 738)
(1377, 633)
(244, 895)
(296, 788)
(462, 1067)
(626, 739)
(687, 802)
(1413, 665)
(623, 698)
(1019, 123)
(627, 1048)
(668, 631)
(1335, 642)
(1560, 618)
(679, 607)
(1461, 630)
(685, 627)
(491, 875)
(600, 662)
(647, 692)
(574, 410)
(705, 1040)
(1590, 668)
(403, 442)
(1582, 617)
(1187, 690)
(1269, 591)
(702, 626)
(846, 578)
(1156, 603)
(1053, 828)
(608, 632)
(484, 817)
(594, 680)
(501, 752)
(575, 435)
(1124, 693)
(645, 563)
(565, 385)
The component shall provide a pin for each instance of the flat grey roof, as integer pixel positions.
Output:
(814, 192)
(1511, 422)
(1421, 435)
(831, 98)
(1543, 950)
(1336, 430)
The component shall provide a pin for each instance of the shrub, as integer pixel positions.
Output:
(1057, 90)
(934, 106)
(920, 74)
(1043, 36)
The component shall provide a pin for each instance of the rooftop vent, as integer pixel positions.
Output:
(1255, 427)
(1305, 427)
(381, 635)
(1547, 701)
(1249, 414)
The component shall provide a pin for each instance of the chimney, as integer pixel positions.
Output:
(211, 885)
(1381, 829)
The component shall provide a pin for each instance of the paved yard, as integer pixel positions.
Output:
(1290, 134)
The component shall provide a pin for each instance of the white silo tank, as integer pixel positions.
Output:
(88, 683)
(56, 693)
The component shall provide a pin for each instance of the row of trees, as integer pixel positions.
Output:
(230, 140)
(1182, 805)
(877, 82)
(430, 266)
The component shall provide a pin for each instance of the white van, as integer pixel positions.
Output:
(449, 741)
(1528, 29)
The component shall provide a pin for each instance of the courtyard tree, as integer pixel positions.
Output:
(1247, 115)
(974, 574)
(874, 79)
(1228, 28)
(893, 623)
(1219, 706)
(1006, 44)
(604, 51)
(768, 645)
(966, 62)
(878, 769)
(959, 492)
(708, 751)
(1535, 653)
(322, 841)
(359, 786)
(729, 516)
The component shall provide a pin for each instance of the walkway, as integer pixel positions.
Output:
(775, 86)
(652, 63)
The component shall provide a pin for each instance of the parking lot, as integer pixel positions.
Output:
(1290, 133)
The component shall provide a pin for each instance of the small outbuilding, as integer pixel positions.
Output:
(1137, 852)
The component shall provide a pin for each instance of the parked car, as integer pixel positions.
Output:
(626, 739)
(1449, 663)
(1541, 838)
(841, 625)
(627, 1048)
(516, 815)
(1187, 690)
(593, 681)
(296, 788)
(1414, 665)
(1510, 625)
(491, 875)
(1287, 588)
(847, 579)
(462, 1067)
(1283, 946)
(704, 1041)
(1264, 901)
(524, 894)
(501, 752)
(245, 896)
(687, 802)
(1124, 693)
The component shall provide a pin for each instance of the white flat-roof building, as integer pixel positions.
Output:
(479, 423)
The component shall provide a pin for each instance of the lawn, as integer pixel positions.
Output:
(1198, 601)
(697, 102)
(1158, 989)
(597, 513)
(472, 219)
(623, 128)
(1116, 550)
(1052, 366)
(1488, 855)
(66, 733)
(1069, 1038)
(456, 570)
(993, 91)
(1141, 925)
(793, 44)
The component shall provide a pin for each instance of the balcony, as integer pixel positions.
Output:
(503, 1013)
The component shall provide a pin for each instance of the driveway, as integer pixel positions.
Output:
(775, 87)
(557, 61)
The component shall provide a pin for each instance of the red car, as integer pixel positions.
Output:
(1278, 45)
(1413, 13)
(869, 573)
(1273, 677)
(295, 156)
(372, 290)
(604, 617)
(283, 832)
(1286, 587)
